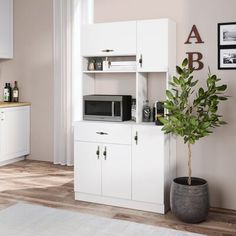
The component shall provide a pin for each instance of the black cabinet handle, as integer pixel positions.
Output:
(98, 152)
(101, 133)
(105, 153)
(141, 60)
(136, 138)
(107, 50)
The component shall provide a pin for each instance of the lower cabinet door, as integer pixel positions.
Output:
(116, 171)
(88, 169)
(14, 132)
(148, 164)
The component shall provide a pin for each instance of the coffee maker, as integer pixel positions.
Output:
(158, 111)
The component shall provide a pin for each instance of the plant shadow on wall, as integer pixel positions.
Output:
(192, 114)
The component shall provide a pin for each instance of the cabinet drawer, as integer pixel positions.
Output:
(103, 133)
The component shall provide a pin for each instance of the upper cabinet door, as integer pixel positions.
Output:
(152, 45)
(6, 29)
(109, 39)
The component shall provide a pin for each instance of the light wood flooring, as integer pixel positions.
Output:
(52, 185)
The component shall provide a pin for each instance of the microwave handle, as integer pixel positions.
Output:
(113, 108)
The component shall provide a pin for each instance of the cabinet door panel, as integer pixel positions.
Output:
(152, 45)
(6, 28)
(87, 167)
(116, 171)
(120, 37)
(148, 164)
(14, 132)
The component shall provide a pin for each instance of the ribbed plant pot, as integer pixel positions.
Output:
(189, 203)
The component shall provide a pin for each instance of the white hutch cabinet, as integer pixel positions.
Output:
(133, 164)
(6, 29)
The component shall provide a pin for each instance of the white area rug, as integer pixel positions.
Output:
(33, 220)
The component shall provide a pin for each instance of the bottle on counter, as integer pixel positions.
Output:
(7, 93)
(146, 112)
(15, 93)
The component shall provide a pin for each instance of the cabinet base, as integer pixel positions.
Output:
(143, 206)
(6, 162)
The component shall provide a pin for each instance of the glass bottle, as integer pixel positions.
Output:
(146, 112)
(15, 93)
(7, 93)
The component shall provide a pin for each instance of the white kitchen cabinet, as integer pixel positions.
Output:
(130, 166)
(153, 45)
(88, 171)
(14, 132)
(103, 169)
(103, 159)
(134, 175)
(116, 171)
(6, 29)
(109, 39)
(148, 164)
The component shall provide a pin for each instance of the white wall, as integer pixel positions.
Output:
(214, 157)
(32, 67)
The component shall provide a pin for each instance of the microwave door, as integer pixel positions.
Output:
(97, 110)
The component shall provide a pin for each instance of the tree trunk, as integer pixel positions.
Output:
(189, 164)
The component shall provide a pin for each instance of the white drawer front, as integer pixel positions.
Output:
(102, 133)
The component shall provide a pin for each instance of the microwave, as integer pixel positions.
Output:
(107, 107)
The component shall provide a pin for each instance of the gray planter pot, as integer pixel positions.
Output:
(189, 203)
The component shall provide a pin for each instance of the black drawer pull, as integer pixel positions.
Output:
(107, 50)
(101, 133)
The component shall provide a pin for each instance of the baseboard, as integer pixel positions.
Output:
(6, 162)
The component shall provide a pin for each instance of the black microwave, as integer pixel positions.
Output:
(107, 107)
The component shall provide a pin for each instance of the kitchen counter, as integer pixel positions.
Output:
(14, 104)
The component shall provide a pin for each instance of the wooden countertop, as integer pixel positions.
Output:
(14, 104)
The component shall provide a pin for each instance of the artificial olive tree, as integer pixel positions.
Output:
(192, 113)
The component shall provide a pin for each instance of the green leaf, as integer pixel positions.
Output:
(169, 94)
(222, 98)
(194, 83)
(185, 62)
(222, 87)
(176, 81)
(201, 92)
(179, 70)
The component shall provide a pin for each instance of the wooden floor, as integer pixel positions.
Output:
(52, 185)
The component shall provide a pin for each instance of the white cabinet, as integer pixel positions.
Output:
(148, 164)
(14, 132)
(103, 169)
(109, 39)
(6, 29)
(88, 167)
(116, 171)
(134, 173)
(103, 161)
(153, 45)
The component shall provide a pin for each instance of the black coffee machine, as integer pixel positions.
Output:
(158, 111)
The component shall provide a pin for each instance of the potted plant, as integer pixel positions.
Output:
(192, 114)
